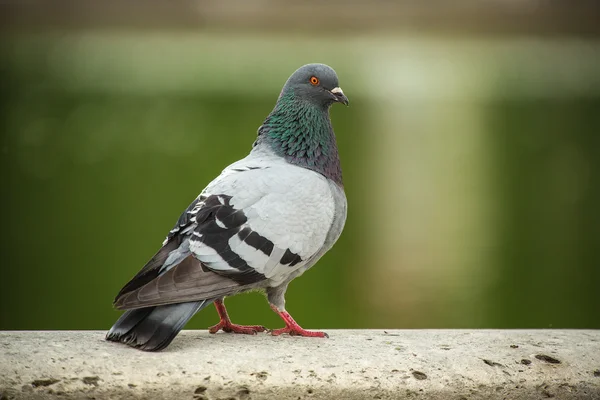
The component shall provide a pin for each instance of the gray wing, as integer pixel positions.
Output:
(250, 227)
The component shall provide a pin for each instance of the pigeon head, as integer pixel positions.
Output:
(299, 128)
(316, 84)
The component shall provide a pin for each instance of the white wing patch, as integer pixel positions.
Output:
(270, 267)
(253, 257)
(220, 224)
(210, 257)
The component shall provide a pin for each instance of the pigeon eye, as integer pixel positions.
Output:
(314, 80)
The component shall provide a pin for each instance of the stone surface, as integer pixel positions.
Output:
(359, 364)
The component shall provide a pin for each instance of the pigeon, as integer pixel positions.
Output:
(262, 222)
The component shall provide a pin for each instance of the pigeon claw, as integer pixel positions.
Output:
(298, 331)
(291, 326)
(227, 326)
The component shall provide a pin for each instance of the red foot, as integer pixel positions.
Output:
(298, 331)
(292, 327)
(226, 325)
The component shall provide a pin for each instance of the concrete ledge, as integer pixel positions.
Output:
(360, 364)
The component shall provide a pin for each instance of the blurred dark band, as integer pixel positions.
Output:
(530, 17)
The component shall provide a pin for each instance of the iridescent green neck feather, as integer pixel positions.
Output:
(301, 132)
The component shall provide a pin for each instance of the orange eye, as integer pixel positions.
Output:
(314, 80)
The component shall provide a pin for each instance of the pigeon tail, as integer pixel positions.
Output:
(153, 328)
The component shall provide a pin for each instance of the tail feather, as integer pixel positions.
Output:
(153, 328)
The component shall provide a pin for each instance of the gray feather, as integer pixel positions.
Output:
(153, 328)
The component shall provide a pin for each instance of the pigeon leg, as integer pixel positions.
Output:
(226, 325)
(292, 327)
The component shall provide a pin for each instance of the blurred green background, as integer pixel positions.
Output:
(471, 157)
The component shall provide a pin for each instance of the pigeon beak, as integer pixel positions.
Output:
(339, 96)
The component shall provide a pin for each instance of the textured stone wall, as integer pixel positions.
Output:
(359, 364)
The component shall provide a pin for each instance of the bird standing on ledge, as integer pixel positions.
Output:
(261, 223)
